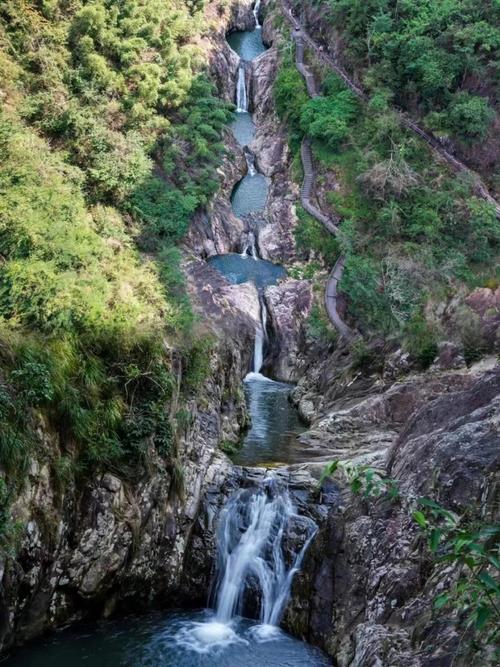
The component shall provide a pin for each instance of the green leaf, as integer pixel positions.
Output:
(441, 600)
(356, 486)
(483, 614)
(494, 561)
(328, 471)
(426, 502)
(435, 538)
(419, 517)
(460, 544)
(489, 582)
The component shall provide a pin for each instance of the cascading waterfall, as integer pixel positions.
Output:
(253, 247)
(250, 159)
(260, 338)
(258, 353)
(261, 539)
(257, 551)
(251, 543)
(241, 90)
(256, 10)
(249, 246)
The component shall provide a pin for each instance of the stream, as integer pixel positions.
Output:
(261, 540)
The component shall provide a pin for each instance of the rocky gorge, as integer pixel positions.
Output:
(364, 593)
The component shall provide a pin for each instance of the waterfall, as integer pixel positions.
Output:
(241, 90)
(251, 548)
(256, 9)
(260, 338)
(250, 158)
(249, 246)
(258, 350)
(263, 317)
(253, 250)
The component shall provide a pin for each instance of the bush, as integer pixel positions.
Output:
(290, 94)
(328, 119)
(421, 341)
(311, 235)
(469, 117)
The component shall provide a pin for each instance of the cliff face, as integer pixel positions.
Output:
(367, 590)
(112, 541)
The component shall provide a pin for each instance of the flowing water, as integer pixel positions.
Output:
(252, 530)
(256, 11)
(259, 548)
(241, 90)
(248, 45)
(275, 423)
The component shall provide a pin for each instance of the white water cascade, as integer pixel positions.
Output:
(250, 159)
(241, 90)
(260, 338)
(256, 9)
(253, 531)
(250, 247)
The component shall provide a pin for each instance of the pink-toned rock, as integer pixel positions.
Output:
(289, 305)
(485, 303)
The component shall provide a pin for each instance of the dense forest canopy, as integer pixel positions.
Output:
(439, 57)
(109, 133)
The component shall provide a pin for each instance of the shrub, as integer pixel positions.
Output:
(328, 119)
(421, 341)
(469, 117)
(311, 235)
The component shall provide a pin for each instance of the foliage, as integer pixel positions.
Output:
(421, 341)
(425, 54)
(197, 366)
(229, 447)
(473, 549)
(319, 326)
(328, 118)
(188, 154)
(9, 529)
(310, 235)
(290, 95)
(468, 117)
(409, 229)
(110, 134)
(363, 479)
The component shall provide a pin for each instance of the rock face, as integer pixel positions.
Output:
(276, 240)
(110, 542)
(216, 230)
(289, 305)
(366, 593)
